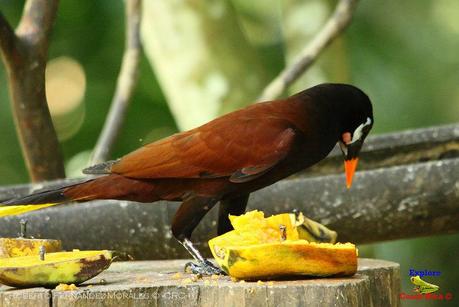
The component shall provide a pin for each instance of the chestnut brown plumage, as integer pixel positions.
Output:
(230, 157)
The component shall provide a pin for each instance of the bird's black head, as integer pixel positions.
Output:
(354, 115)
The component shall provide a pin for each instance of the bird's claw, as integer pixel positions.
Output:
(203, 268)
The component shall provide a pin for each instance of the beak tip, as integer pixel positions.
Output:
(350, 167)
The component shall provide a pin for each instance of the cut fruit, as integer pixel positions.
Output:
(314, 232)
(260, 247)
(66, 287)
(288, 258)
(62, 267)
(17, 247)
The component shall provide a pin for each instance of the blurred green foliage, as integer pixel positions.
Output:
(404, 54)
(92, 32)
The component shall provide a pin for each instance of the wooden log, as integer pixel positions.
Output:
(156, 283)
(35, 297)
(399, 202)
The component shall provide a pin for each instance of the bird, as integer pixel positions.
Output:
(225, 160)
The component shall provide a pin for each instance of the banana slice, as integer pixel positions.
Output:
(51, 269)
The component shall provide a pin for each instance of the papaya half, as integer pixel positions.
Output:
(16, 247)
(281, 245)
(55, 268)
(23, 246)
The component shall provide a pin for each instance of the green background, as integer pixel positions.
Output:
(404, 54)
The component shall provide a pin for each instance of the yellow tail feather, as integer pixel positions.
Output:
(20, 209)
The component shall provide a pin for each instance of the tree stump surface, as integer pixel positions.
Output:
(157, 283)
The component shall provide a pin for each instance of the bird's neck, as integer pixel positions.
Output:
(317, 116)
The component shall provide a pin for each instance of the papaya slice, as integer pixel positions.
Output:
(281, 245)
(56, 268)
(314, 232)
(23, 246)
(17, 247)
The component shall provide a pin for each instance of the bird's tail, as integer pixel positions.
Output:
(111, 186)
(36, 201)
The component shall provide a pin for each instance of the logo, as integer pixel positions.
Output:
(424, 290)
(423, 287)
(423, 273)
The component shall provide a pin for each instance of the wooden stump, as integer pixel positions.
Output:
(157, 283)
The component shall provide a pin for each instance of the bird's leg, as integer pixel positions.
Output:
(234, 206)
(185, 221)
(203, 266)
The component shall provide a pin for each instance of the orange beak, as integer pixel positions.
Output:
(350, 166)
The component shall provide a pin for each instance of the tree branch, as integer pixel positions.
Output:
(36, 23)
(127, 80)
(336, 24)
(24, 55)
(7, 39)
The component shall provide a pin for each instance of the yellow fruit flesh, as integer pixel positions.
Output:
(66, 287)
(256, 249)
(253, 228)
(16, 247)
(63, 267)
(297, 257)
(16, 210)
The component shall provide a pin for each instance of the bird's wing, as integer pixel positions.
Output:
(241, 148)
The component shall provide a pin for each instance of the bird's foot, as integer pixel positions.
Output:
(203, 268)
